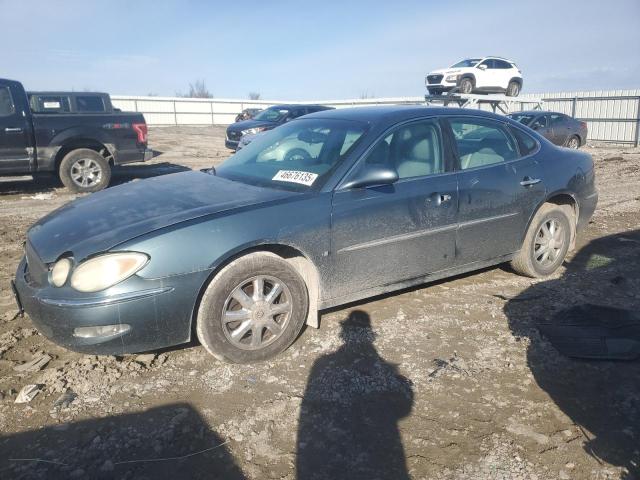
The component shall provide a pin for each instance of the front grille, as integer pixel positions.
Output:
(37, 270)
(234, 136)
(434, 79)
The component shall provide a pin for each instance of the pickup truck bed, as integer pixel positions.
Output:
(79, 146)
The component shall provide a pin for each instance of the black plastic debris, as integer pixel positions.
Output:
(595, 331)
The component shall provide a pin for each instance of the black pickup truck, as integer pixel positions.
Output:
(77, 135)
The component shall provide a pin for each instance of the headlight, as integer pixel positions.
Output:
(106, 270)
(452, 78)
(251, 131)
(60, 272)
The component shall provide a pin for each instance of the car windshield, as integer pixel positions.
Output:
(272, 114)
(297, 156)
(470, 62)
(523, 118)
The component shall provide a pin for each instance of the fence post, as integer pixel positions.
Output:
(135, 105)
(211, 108)
(573, 107)
(637, 141)
(175, 114)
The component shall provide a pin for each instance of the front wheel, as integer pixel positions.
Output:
(546, 243)
(253, 309)
(84, 171)
(513, 89)
(466, 86)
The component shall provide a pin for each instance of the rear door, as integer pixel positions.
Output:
(14, 132)
(560, 125)
(388, 234)
(542, 125)
(499, 189)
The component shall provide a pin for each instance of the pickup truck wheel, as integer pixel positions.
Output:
(253, 309)
(513, 89)
(546, 243)
(84, 171)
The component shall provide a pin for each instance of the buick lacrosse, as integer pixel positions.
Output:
(363, 202)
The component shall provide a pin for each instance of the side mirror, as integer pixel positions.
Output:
(372, 176)
(482, 67)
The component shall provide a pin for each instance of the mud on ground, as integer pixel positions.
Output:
(448, 381)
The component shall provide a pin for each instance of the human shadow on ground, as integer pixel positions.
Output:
(590, 312)
(348, 426)
(168, 442)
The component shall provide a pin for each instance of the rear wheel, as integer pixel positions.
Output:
(84, 170)
(253, 309)
(546, 243)
(513, 89)
(466, 86)
(573, 142)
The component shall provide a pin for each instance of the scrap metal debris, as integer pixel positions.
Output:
(36, 364)
(27, 393)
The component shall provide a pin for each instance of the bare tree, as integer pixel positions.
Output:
(364, 95)
(254, 95)
(198, 89)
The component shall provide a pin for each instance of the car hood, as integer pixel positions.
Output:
(246, 124)
(448, 71)
(102, 220)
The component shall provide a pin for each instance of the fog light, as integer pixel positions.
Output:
(101, 331)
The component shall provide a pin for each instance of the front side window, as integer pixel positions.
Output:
(298, 156)
(89, 103)
(414, 150)
(6, 103)
(488, 63)
(540, 122)
(482, 142)
(523, 118)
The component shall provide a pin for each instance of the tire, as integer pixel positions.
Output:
(466, 86)
(84, 171)
(513, 89)
(298, 154)
(527, 260)
(573, 142)
(220, 314)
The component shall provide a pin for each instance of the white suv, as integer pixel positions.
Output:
(477, 75)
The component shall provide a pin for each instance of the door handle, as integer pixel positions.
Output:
(12, 130)
(528, 181)
(438, 198)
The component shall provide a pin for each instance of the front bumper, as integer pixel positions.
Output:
(158, 311)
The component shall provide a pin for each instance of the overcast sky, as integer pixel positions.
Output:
(304, 50)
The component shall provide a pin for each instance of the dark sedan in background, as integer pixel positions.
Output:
(268, 119)
(327, 209)
(558, 128)
(247, 114)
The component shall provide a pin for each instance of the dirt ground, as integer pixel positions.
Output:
(448, 381)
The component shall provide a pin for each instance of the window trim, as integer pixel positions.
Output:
(447, 156)
(505, 126)
(13, 103)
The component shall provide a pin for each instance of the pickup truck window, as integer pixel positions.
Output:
(49, 104)
(6, 103)
(89, 103)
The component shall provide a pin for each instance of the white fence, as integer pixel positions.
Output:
(612, 115)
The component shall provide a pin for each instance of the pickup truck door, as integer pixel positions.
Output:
(15, 154)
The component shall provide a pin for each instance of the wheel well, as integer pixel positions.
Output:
(298, 260)
(470, 76)
(83, 143)
(517, 80)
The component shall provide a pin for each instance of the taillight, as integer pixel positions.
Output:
(141, 130)
(583, 124)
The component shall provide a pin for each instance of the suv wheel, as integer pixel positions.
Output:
(84, 171)
(466, 85)
(253, 309)
(546, 243)
(513, 89)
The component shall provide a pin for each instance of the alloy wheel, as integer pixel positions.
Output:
(549, 242)
(86, 172)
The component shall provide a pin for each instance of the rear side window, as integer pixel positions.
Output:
(89, 103)
(482, 142)
(6, 103)
(557, 118)
(526, 143)
(502, 64)
(414, 150)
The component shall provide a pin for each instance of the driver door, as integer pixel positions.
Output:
(14, 135)
(383, 235)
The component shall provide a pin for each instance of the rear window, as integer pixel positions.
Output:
(89, 103)
(49, 103)
(526, 143)
(6, 103)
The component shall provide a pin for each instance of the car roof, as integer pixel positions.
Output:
(537, 112)
(298, 105)
(394, 113)
(67, 94)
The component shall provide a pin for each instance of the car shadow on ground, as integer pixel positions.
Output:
(171, 442)
(601, 397)
(348, 425)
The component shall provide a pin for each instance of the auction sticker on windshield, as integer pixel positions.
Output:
(295, 176)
